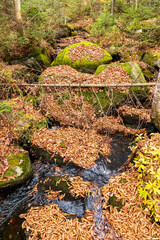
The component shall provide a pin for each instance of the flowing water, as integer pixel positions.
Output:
(17, 200)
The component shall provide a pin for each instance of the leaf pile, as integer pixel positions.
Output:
(132, 221)
(71, 111)
(143, 114)
(76, 145)
(78, 187)
(50, 223)
(92, 52)
(113, 74)
(112, 125)
(65, 74)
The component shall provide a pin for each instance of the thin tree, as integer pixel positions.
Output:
(112, 6)
(155, 113)
(18, 17)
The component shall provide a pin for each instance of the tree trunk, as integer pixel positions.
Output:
(136, 4)
(112, 7)
(155, 113)
(18, 16)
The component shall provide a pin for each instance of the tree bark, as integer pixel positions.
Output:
(136, 4)
(18, 16)
(112, 7)
(155, 113)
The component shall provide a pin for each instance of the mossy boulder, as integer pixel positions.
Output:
(152, 59)
(19, 170)
(41, 55)
(23, 118)
(84, 56)
(135, 74)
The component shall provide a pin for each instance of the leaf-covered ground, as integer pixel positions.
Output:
(132, 221)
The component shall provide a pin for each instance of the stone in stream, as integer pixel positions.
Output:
(19, 169)
(84, 56)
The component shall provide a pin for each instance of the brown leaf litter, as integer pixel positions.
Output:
(143, 114)
(50, 223)
(132, 222)
(73, 111)
(65, 74)
(112, 125)
(92, 52)
(76, 145)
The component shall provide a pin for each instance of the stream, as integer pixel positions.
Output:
(16, 201)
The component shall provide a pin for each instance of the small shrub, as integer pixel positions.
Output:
(147, 163)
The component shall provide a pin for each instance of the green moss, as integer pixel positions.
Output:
(100, 69)
(40, 54)
(82, 64)
(19, 168)
(43, 57)
(115, 202)
(101, 101)
(135, 73)
(150, 58)
(56, 183)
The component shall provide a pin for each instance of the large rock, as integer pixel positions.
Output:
(152, 59)
(83, 56)
(134, 75)
(18, 171)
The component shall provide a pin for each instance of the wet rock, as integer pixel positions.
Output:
(19, 170)
(83, 56)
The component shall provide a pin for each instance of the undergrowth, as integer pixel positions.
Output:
(147, 162)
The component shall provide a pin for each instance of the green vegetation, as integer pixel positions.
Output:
(5, 107)
(147, 162)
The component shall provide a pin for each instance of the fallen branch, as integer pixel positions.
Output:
(74, 85)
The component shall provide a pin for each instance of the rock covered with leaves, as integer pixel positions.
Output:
(74, 145)
(68, 109)
(84, 56)
(128, 72)
(18, 120)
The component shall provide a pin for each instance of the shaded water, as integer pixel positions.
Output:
(15, 201)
